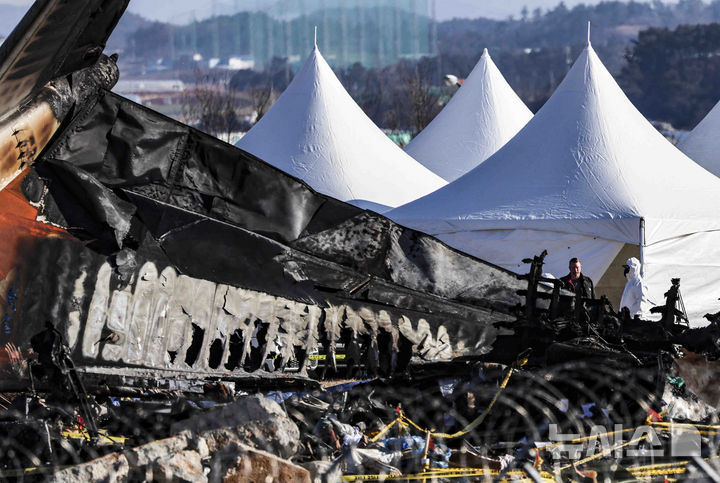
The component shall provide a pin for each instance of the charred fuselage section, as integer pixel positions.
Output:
(170, 252)
(162, 255)
(144, 258)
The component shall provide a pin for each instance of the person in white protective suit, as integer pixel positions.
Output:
(635, 295)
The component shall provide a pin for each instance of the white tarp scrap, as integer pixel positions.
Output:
(481, 117)
(695, 259)
(316, 132)
(586, 174)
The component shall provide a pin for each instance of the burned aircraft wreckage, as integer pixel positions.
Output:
(142, 255)
(158, 251)
(161, 254)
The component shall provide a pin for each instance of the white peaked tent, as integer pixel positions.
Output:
(587, 177)
(703, 142)
(481, 117)
(316, 132)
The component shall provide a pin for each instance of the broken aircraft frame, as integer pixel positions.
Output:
(165, 257)
(163, 254)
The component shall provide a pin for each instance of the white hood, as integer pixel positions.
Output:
(633, 268)
(635, 295)
(586, 175)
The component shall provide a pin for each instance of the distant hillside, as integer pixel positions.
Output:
(614, 25)
(671, 75)
(10, 16)
(120, 40)
(378, 52)
(380, 36)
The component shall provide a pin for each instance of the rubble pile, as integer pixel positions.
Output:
(458, 421)
(572, 390)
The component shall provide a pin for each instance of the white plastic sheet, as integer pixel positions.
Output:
(507, 248)
(635, 293)
(369, 205)
(588, 162)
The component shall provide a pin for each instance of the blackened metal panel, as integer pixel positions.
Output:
(209, 249)
(55, 38)
(123, 144)
(373, 244)
(138, 312)
(424, 263)
(94, 207)
(126, 145)
(246, 192)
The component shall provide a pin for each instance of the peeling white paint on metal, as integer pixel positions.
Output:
(151, 322)
(74, 324)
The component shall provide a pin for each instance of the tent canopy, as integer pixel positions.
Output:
(316, 132)
(703, 142)
(481, 117)
(587, 163)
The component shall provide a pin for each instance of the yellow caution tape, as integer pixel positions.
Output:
(83, 434)
(387, 428)
(686, 425)
(312, 357)
(605, 452)
(449, 473)
(473, 424)
(585, 438)
(477, 421)
(662, 469)
(658, 469)
(322, 357)
(663, 427)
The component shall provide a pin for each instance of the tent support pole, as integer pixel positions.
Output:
(642, 247)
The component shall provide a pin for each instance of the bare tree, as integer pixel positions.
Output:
(261, 99)
(211, 106)
(424, 104)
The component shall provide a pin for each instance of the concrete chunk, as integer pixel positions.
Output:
(185, 466)
(108, 469)
(239, 463)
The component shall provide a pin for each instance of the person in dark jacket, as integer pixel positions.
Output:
(576, 282)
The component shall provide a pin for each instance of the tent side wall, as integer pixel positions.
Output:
(695, 259)
(507, 248)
